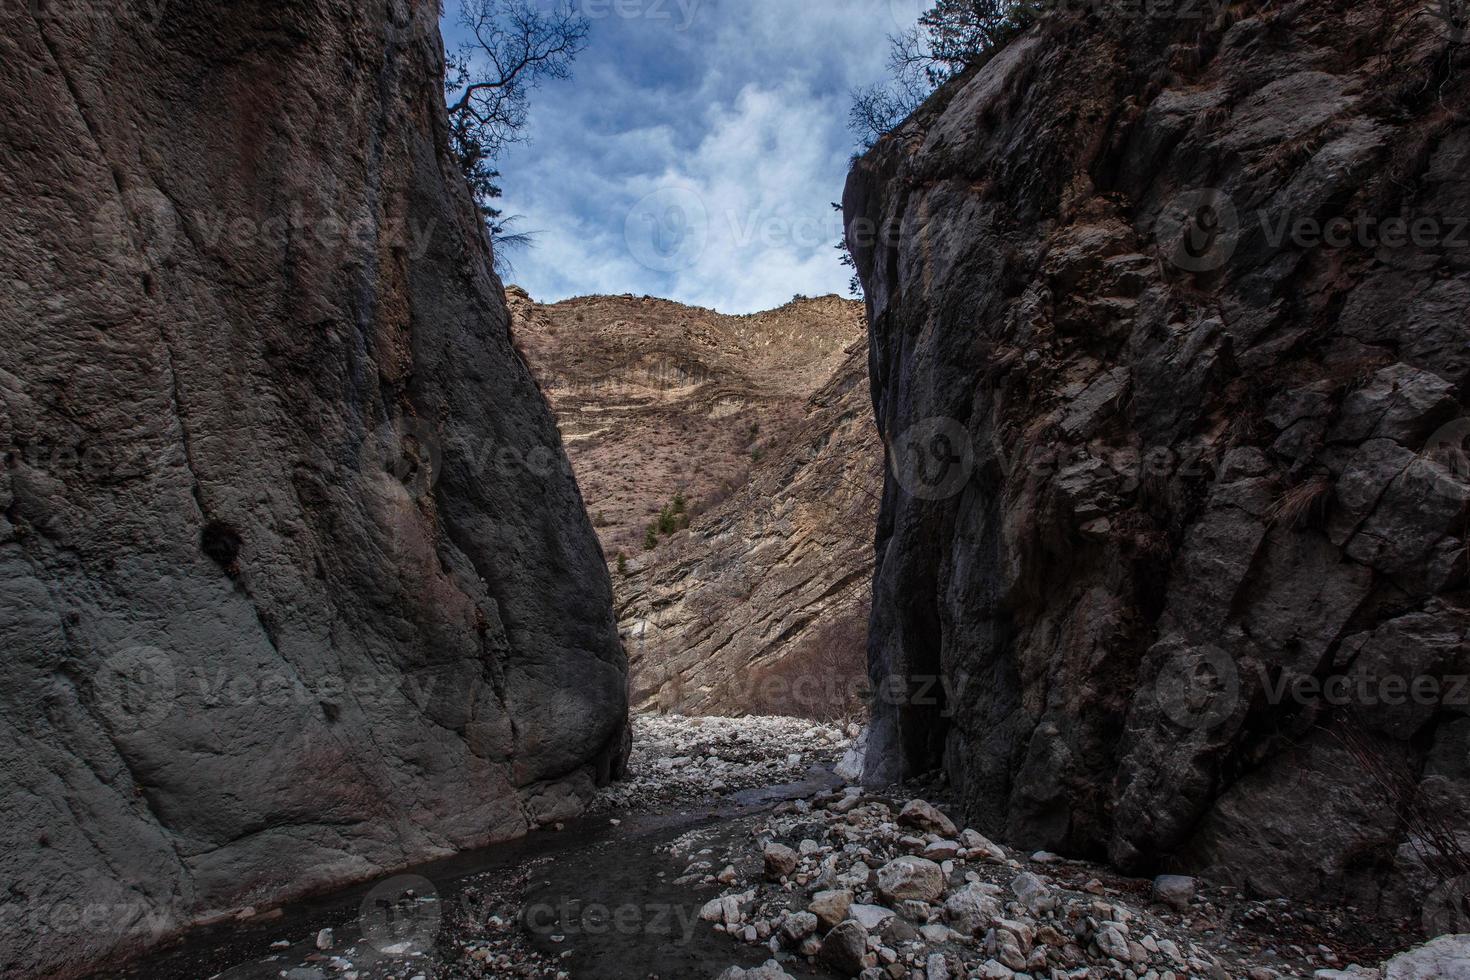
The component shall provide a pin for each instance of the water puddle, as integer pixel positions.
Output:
(595, 906)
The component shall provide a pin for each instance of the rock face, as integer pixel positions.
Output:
(762, 425)
(295, 587)
(1171, 559)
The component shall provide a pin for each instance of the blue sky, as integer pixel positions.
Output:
(696, 149)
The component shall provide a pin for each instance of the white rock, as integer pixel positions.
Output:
(871, 916)
(1174, 890)
(1445, 957)
(1110, 940)
(913, 878)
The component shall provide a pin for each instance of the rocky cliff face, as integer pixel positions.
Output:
(761, 426)
(288, 594)
(1171, 559)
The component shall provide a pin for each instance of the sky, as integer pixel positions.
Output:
(696, 149)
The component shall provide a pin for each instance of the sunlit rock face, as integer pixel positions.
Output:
(1172, 529)
(282, 604)
(754, 598)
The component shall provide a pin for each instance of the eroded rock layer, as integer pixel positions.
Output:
(1176, 519)
(753, 437)
(281, 605)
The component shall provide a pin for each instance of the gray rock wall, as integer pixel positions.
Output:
(1176, 499)
(295, 585)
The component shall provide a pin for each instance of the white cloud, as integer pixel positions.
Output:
(737, 125)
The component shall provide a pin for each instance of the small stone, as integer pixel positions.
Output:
(871, 916)
(971, 909)
(857, 876)
(780, 861)
(914, 878)
(1174, 890)
(941, 850)
(798, 926)
(935, 932)
(830, 907)
(844, 948)
(1032, 892)
(1111, 942)
(924, 816)
(935, 968)
(324, 939)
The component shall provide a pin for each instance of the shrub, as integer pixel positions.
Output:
(824, 678)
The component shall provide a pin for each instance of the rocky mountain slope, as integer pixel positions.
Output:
(275, 615)
(1171, 559)
(760, 427)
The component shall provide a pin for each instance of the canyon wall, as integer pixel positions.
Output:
(752, 437)
(1172, 551)
(295, 586)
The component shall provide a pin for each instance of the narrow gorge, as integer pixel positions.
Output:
(1089, 599)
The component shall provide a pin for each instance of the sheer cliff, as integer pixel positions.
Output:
(1170, 340)
(287, 597)
(750, 440)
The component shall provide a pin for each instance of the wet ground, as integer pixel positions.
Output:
(618, 894)
(594, 899)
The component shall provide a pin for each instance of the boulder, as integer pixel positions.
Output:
(1438, 959)
(1175, 890)
(926, 817)
(779, 861)
(844, 947)
(831, 907)
(971, 909)
(912, 879)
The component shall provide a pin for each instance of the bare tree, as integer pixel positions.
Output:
(515, 45)
(950, 36)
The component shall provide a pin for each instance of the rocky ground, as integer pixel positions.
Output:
(878, 886)
(678, 759)
(733, 845)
